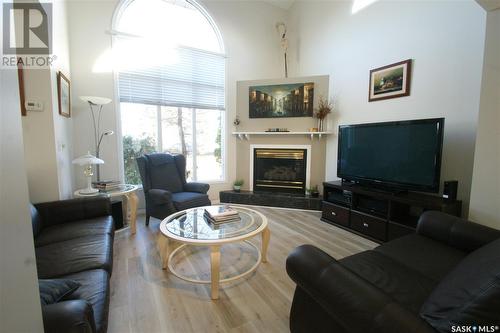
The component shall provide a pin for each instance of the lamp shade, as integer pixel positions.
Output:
(87, 159)
(96, 100)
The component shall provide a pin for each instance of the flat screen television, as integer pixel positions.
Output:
(400, 155)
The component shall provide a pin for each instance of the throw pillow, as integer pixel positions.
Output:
(469, 295)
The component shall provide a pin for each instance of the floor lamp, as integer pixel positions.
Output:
(96, 104)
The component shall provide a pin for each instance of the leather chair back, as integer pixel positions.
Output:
(163, 171)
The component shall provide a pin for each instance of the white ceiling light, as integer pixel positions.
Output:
(361, 4)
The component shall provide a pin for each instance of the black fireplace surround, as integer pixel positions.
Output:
(279, 170)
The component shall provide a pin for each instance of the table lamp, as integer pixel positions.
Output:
(88, 160)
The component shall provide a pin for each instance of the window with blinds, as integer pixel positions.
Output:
(194, 80)
(171, 84)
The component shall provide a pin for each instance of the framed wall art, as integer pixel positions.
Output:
(390, 81)
(64, 95)
(20, 78)
(281, 100)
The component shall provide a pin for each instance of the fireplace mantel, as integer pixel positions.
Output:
(246, 135)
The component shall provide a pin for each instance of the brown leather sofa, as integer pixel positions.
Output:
(445, 275)
(74, 240)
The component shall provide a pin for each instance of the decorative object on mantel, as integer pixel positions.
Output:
(390, 81)
(88, 160)
(63, 95)
(238, 183)
(281, 28)
(276, 129)
(236, 121)
(324, 108)
(96, 104)
(246, 135)
(313, 129)
(281, 100)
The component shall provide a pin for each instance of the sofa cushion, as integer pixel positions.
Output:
(185, 200)
(424, 255)
(61, 232)
(469, 294)
(53, 290)
(75, 255)
(406, 286)
(163, 172)
(95, 290)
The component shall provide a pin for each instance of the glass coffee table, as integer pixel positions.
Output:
(190, 227)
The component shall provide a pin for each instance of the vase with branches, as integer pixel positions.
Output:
(325, 107)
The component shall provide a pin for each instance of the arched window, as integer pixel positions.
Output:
(171, 75)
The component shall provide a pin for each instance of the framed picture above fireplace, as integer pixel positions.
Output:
(281, 100)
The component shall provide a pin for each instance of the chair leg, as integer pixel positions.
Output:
(147, 220)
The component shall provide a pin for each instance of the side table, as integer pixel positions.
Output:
(129, 198)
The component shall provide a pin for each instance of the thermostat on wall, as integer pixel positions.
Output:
(33, 106)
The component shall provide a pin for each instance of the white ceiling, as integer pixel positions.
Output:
(489, 5)
(285, 4)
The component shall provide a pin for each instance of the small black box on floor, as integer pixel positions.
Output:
(450, 189)
(117, 213)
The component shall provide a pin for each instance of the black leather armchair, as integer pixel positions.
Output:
(165, 188)
(418, 283)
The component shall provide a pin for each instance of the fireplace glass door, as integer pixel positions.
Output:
(280, 170)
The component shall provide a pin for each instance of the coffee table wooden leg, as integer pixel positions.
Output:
(266, 236)
(132, 205)
(164, 250)
(214, 267)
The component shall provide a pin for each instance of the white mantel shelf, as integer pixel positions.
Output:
(246, 135)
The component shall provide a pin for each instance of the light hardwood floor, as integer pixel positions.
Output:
(145, 298)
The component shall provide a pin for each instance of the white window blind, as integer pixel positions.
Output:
(194, 80)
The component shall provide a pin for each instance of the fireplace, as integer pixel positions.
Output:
(280, 169)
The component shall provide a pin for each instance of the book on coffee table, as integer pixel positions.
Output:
(220, 214)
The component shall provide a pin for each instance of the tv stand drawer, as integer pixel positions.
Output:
(368, 225)
(335, 213)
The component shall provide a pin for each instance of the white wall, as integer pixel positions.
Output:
(485, 193)
(252, 47)
(39, 138)
(47, 135)
(446, 41)
(63, 127)
(19, 299)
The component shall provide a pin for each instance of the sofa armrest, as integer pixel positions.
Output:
(454, 231)
(75, 316)
(196, 187)
(355, 304)
(64, 211)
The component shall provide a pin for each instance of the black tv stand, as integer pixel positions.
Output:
(347, 183)
(375, 188)
(377, 214)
